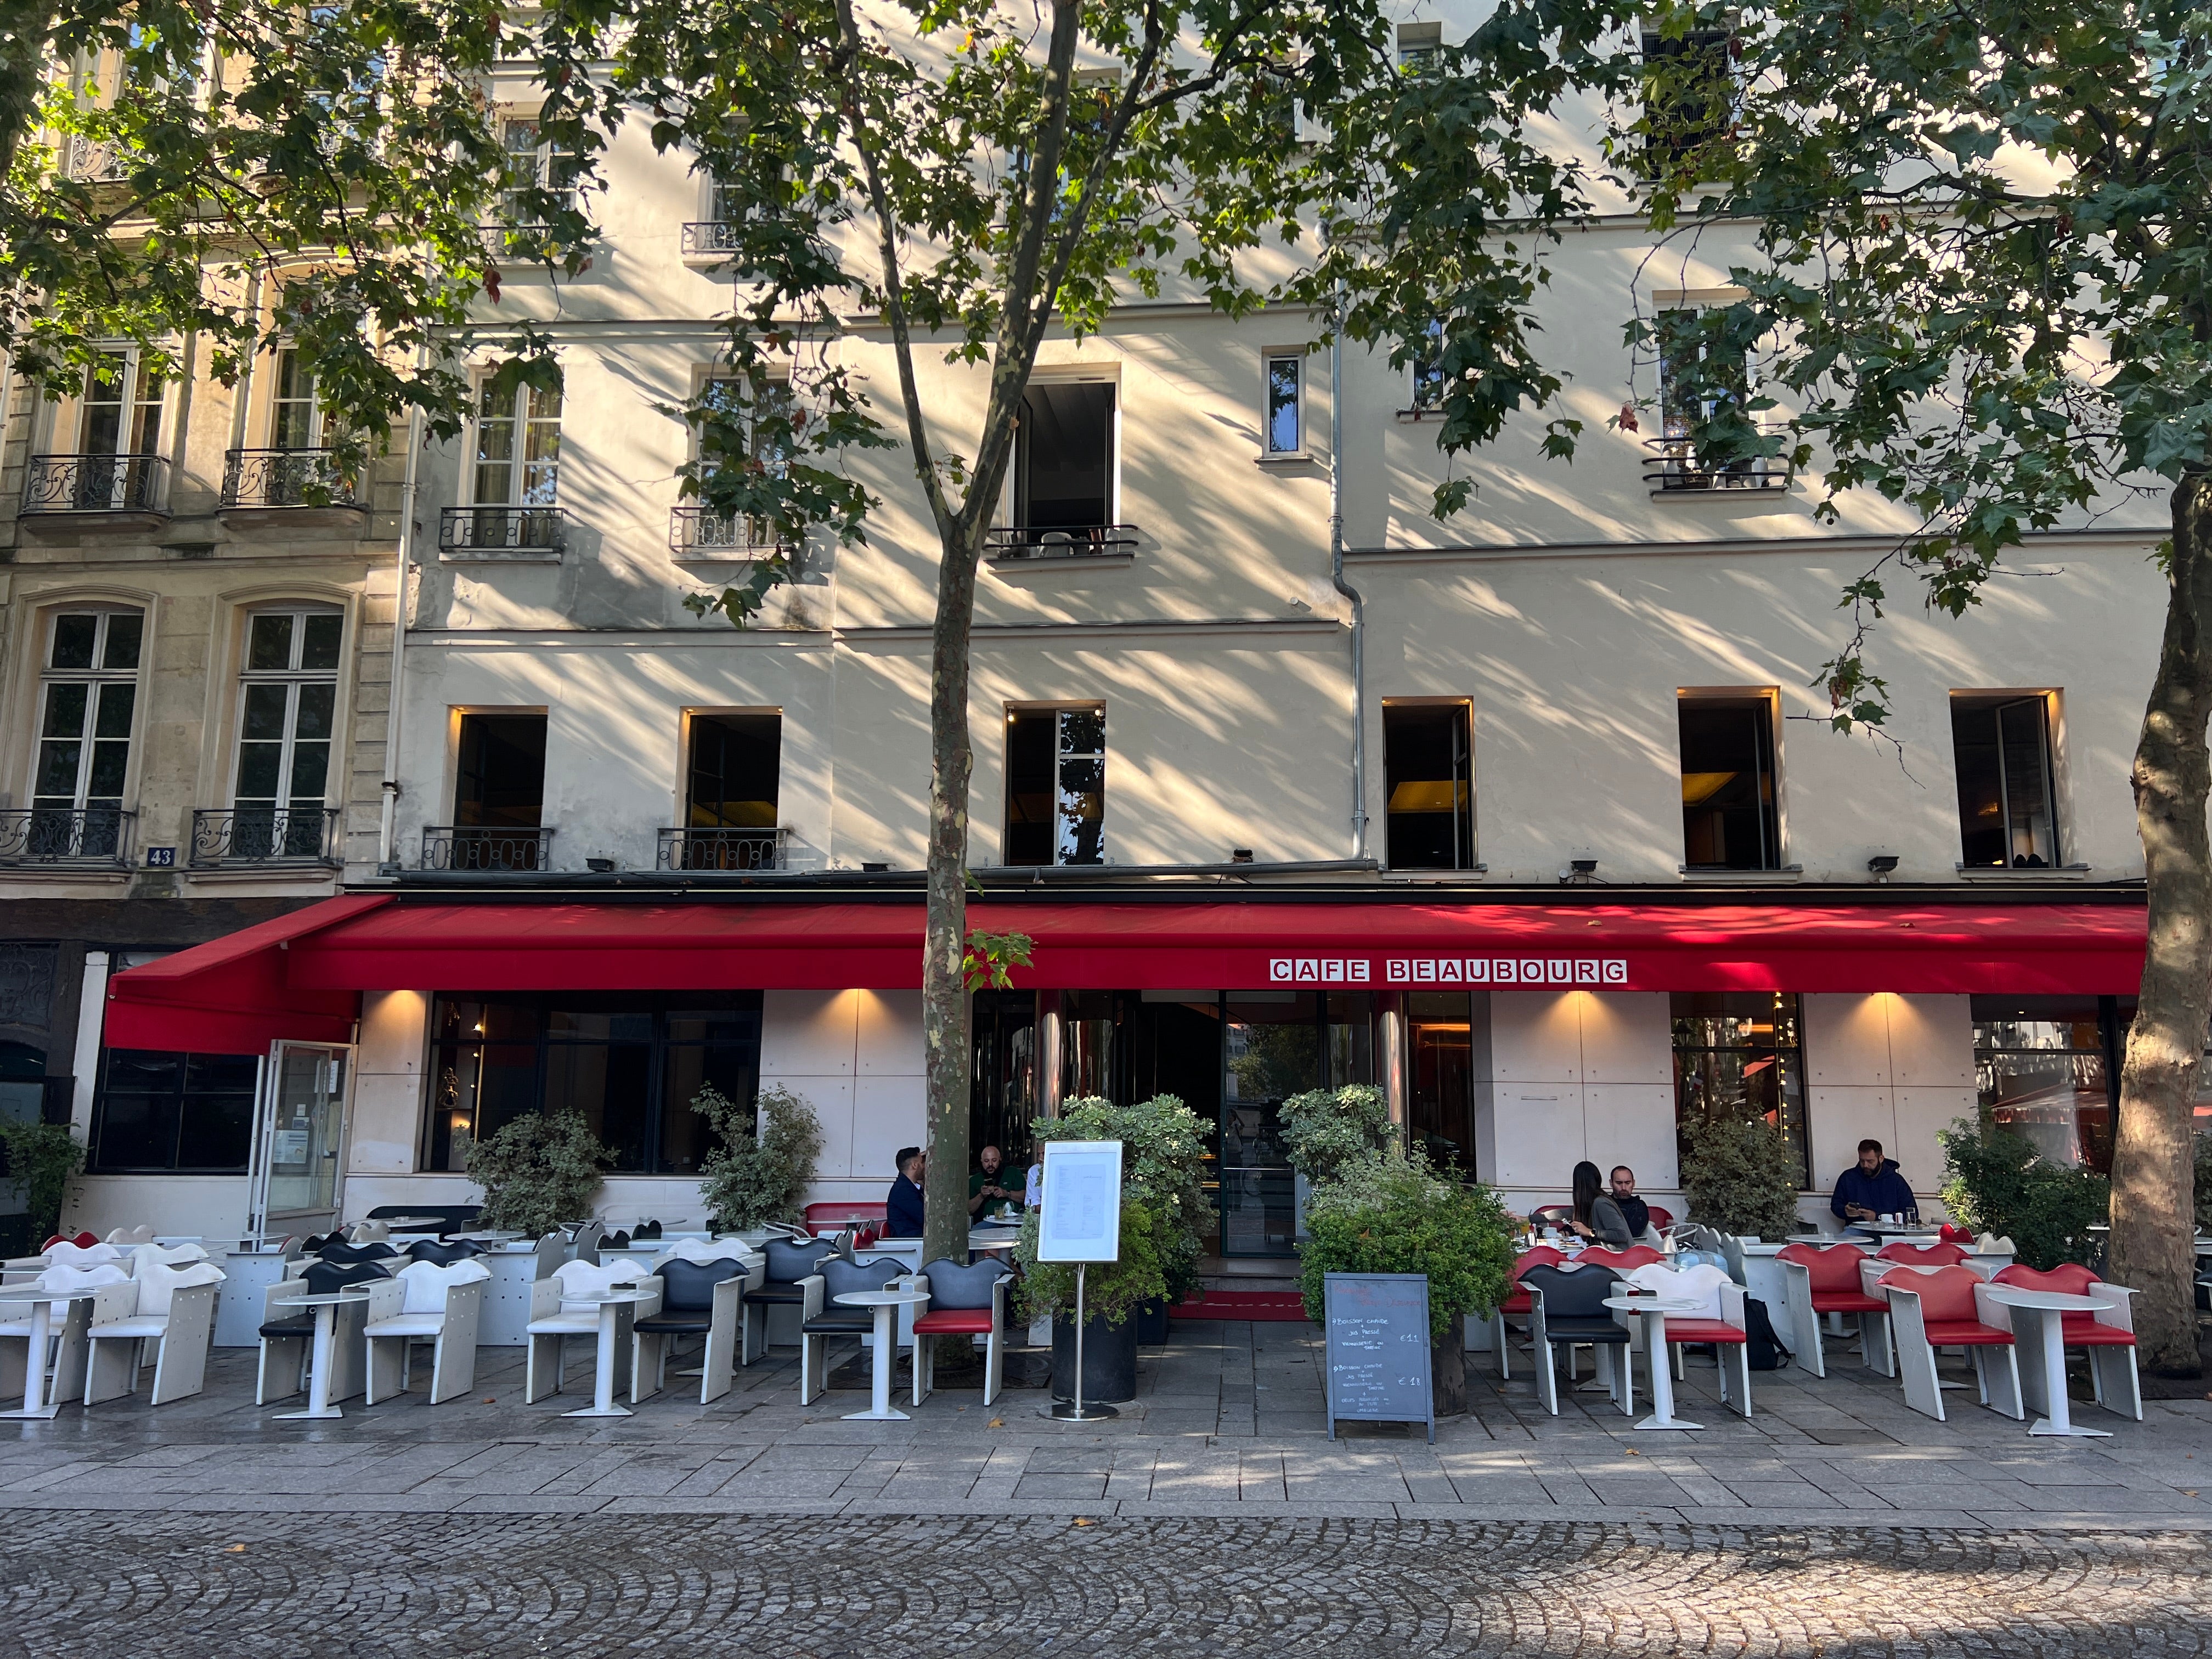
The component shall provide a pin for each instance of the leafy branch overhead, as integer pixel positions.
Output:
(990, 959)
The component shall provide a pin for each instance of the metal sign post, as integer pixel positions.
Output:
(1080, 1222)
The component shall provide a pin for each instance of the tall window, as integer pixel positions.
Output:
(295, 420)
(1419, 47)
(733, 436)
(121, 411)
(1428, 370)
(533, 160)
(1738, 1055)
(1064, 457)
(88, 700)
(631, 1064)
(1428, 768)
(1729, 818)
(2002, 747)
(1689, 94)
(287, 719)
(730, 821)
(1056, 786)
(1441, 1067)
(499, 782)
(154, 1111)
(518, 460)
(2046, 1069)
(1286, 413)
(1702, 371)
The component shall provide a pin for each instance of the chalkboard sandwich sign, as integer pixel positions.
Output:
(1379, 1349)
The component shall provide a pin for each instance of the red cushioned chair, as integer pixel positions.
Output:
(2108, 1334)
(1636, 1255)
(1661, 1219)
(1921, 1256)
(1516, 1302)
(1824, 1279)
(1722, 1325)
(1948, 1307)
(964, 1300)
(828, 1221)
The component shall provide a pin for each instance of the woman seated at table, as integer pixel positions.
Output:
(1597, 1220)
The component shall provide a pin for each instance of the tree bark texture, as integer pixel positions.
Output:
(2152, 1163)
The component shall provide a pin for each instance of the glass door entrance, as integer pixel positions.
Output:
(1276, 1044)
(302, 1134)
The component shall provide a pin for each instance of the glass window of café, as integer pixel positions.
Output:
(156, 1111)
(1739, 1053)
(1277, 1044)
(1447, 1061)
(2047, 1069)
(631, 1062)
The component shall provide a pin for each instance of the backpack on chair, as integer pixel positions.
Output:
(1762, 1350)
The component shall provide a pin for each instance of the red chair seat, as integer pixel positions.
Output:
(1519, 1302)
(1703, 1330)
(954, 1322)
(1965, 1333)
(1846, 1302)
(2082, 1330)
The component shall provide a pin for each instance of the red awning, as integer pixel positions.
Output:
(299, 973)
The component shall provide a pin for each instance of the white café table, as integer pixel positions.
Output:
(611, 1305)
(319, 1361)
(2044, 1313)
(1653, 1312)
(885, 1303)
(35, 1403)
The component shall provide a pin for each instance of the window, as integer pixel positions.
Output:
(1064, 457)
(295, 419)
(1689, 94)
(1285, 418)
(1428, 371)
(731, 437)
(1419, 47)
(86, 702)
(533, 161)
(1428, 769)
(2002, 748)
(500, 779)
(157, 1111)
(2047, 1069)
(1738, 1055)
(1277, 1044)
(1056, 786)
(631, 1063)
(518, 461)
(288, 718)
(730, 820)
(1702, 371)
(121, 411)
(1728, 820)
(1440, 1075)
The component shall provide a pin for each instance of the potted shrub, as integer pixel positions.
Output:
(1325, 1129)
(1996, 1182)
(1113, 1294)
(42, 1159)
(1741, 1177)
(539, 1172)
(1395, 1214)
(1163, 1164)
(753, 1177)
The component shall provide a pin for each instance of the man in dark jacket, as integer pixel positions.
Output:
(1634, 1209)
(1871, 1188)
(903, 1211)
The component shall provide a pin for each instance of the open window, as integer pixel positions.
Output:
(1729, 820)
(1689, 94)
(1056, 786)
(2007, 814)
(730, 780)
(1063, 472)
(498, 796)
(1428, 770)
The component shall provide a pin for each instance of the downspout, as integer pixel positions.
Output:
(1336, 576)
(386, 865)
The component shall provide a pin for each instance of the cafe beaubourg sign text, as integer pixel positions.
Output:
(1448, 970)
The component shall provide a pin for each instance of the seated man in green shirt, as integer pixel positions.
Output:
(992, 1185)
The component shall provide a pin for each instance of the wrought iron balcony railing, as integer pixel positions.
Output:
(1673, 463)
(97, 483)
(66, 834)
(96, 160)
(286, 478)
(721, 849)
(700, 531)
(503, 528)
(710, 236)
(1029, 542)
(493, 850)
(223, 837)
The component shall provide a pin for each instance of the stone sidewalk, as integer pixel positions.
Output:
(1228, 1423)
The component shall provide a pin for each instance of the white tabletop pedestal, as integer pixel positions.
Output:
(886, 1304)
(2040, 1318)
(36, 1406)
(318, 1360)
(1653, 1312)
(603, 1381)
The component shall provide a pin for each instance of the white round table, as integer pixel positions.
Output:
(35, 1403)
(318, 1359)
(886, 1304)
(1653, 1310)
(984, 1240)
(2045, 1311)
(611, 1304)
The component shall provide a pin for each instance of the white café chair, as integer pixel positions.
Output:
(555, 1316)
(64, 1363)
(1720, 1322)
(964, 1301)
(722, 1330)
(1949, 1307)
(288, 1343)
(425, 1303)
(755, 1275)
(175, 1311)
(123, 1238)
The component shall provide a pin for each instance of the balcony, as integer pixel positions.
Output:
(721, 849)
(1083, 542)
(710, 239)
(523, 532)
(96, 160)
(235, 837)
(286, 480)
(494, 850)
(84, 835)
(1673, 465)
(699, 532)
(103, 488)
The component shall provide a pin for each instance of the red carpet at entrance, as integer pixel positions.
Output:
(1264, 1307)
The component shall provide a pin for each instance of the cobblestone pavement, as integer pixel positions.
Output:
(459, 1587)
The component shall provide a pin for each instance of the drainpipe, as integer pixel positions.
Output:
(387, 822)
(1336, 576)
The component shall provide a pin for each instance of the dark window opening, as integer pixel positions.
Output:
(1738, 1055)
(1428, 769)
(1728, 820)
(1064, 457)
(1689, 94)
(1056, 786)
(156, 1111)
(501, 776)
(1442, 1067)
(1277, 1044)
(630, 1064)
(733, 770)
(2047, 1069)
(1002, 1079)
(2002, 747)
